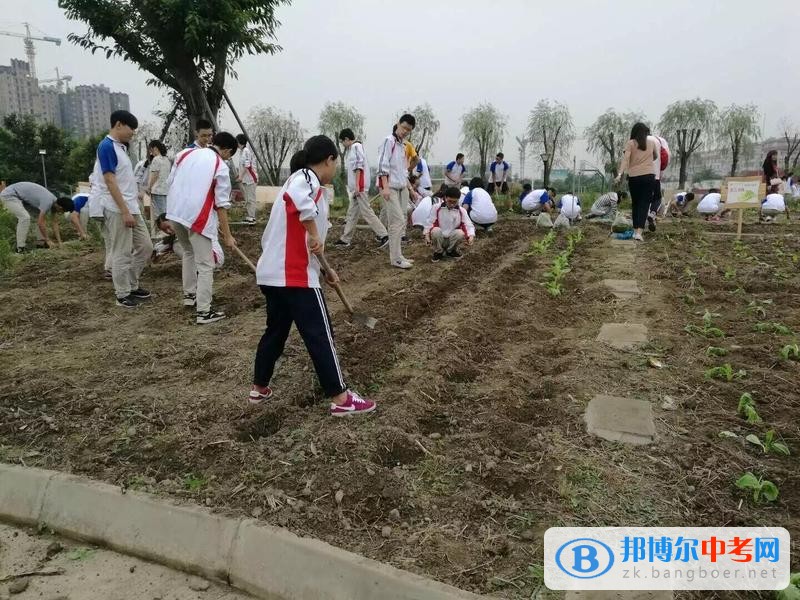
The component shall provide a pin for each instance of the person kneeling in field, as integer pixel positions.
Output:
(479, 206)
(288, 273)
(680, 204)
(448, 226)
(606, 206)
(711, 207)
(538, 201)
(571, 207)
(773, 205)
(197, 205)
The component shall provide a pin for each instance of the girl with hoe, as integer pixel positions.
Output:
(288, 273)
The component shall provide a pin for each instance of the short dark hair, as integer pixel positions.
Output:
(66, 204)
(475, 182)
(124, 117)
(500, 155)
(527, 187)
(407, 118)
(158, 144)
(224, 140)
(241, 139)
(202, 124)
(712, 191)
(297, 162)
(623, 194)
(688, 197)
(459, 155)
(413, 178)
(452, 192)
(347, 134)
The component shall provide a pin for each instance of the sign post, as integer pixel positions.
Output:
(740, 193)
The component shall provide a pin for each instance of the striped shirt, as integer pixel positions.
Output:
(605, 204)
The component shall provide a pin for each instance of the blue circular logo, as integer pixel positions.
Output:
(584, 558)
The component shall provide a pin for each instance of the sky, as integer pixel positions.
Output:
(382, 57)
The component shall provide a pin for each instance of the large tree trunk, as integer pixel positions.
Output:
(734, 163)
(547, 168)
(684, 164)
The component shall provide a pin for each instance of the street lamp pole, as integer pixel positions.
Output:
(44, 171)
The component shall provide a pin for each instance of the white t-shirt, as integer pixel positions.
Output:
(533, 200)
(483, 210)
(423, 210)
(162, 166)
(424, 174)
(112, 157)
(570, 206)
(774, 202)
(710, 203)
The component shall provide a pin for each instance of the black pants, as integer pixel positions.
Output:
(655, 203)
(493, 187)
(306, 308)
(641, 189)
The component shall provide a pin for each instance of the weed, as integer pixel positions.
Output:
(790, 352)
(778, 328)
(747, 408)
(716, 351)
(194, 482)
(761, 488)
(730, 274)
(725, 372)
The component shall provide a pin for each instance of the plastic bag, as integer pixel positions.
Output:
(544, 220)
(621, 224)
(561, 222)
(625, 235)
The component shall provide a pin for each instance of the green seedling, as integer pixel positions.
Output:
(193, 482)
(542, 245)
(792, 592)
(553, 288)
(730, 274)
(790, 352)
(754, 308)
(747, 408)
(778, 328)
(725, 373)
(769, 445)
(716, 351)
(761, 488)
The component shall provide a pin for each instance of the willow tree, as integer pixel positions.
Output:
(606, 137)
(426, 129)
(482, 132)
(686, 124)
(189, 46)
(276, 134)
(336, 116)
(737, 130)
(551, 133)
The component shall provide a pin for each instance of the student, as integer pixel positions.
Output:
(24, 196)
(248, 178)
(160, 167)
(527, 188)
(571, 207)
(288, 273)
(606, 205)
(203, 132)
(424, 175)
(421, 214)
(116, 190)
(498, 174)
(680, 204)
(197, 206)
(454, 171)
(448, 226)
(479, 206)
(358, 178)
(773, 205)
(711, 206)
(393, 185)
(536, 202)
(637, 162)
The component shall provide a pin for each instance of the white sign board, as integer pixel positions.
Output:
(743, 192)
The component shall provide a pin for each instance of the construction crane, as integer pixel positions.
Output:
(30, 51)
(58, 80)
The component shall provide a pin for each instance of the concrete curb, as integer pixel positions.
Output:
(268, 562)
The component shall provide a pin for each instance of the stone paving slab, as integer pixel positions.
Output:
(634, 595)
(622, 288)
(620, 419)
(623, 336)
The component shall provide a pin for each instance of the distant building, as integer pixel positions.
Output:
(718, 160)
(83, 111)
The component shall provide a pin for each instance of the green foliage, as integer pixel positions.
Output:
(756, 307)
(716, 351)
(707, 330)
(550, 131)
(777, 328)
(792, 592)
(737, 130)
(482, 129)
(606, 137)
(747, 408)
(194, 482)
(769, 445)
(8, 228)
(725, 373)
(790, 352)
(560, 267)
(761, 488)
(541, 246)
(424, 134)
(80, 160)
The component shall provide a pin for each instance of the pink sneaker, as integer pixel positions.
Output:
(259, 394)
(354, 405)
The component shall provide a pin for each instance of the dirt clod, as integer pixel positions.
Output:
(19, 585)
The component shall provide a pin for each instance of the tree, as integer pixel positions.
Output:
(80, 161)
(686, 124)
(276, 134)
(607, 136)
(551, 132)
(427, 127)
(21, 138)
(187, 46)
(791, 135)
(737, 130)
(482, 130)
(336, 116)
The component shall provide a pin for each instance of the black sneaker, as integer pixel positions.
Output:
(127, 302)
(212, 316)
(382, 242)
(140, 294)
(341, 244)
(437, 256)
(404, 239)
(454, 254)
(250, 220)
(651, 224)
(23, 249)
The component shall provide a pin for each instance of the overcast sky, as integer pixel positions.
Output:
(383, 56)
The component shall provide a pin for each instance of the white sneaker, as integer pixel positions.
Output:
(411, 260)
(402, 264)
(638, 237)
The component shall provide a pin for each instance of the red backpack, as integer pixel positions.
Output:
(664, 158)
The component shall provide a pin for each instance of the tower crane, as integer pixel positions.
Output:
(59, 80)
(30, 51)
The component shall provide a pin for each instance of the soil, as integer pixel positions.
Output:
(482, 380)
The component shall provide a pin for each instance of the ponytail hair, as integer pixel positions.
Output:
(317, 149)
